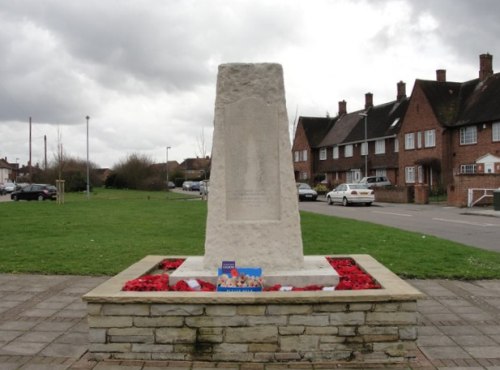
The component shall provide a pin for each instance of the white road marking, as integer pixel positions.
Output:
(393, 213)
(465, 222)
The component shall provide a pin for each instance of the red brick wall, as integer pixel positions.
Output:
(398, 194)
(388, 160)
(457, 191)
(419, 118)
(301, 143)
(467, 154)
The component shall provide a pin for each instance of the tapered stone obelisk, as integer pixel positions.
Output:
(253, 216)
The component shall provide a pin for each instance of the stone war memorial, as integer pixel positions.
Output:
(253, 221)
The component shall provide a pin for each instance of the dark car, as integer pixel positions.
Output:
(35, 192)
(195, 186)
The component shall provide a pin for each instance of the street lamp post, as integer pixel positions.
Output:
(366, 142)
(88, 168)
(166, 166)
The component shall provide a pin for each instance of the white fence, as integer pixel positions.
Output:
(475, 195)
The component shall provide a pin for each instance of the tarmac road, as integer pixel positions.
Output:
(472, 227)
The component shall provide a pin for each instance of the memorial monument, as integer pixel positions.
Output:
(253, 215)
(253, 220)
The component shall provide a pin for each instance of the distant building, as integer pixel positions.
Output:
(446, 136)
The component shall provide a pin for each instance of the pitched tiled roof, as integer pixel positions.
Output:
(4, 164)
(341, 129)
(383, 120)
(458, 104)
(316, 128)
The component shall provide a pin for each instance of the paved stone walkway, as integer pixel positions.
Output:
(43, 327)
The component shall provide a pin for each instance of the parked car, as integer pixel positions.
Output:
(171, 185)
(8, 187)
(351, 193)
(195, 186)
(35, 192)
(375, 181)
(186, 185)
(306, 192)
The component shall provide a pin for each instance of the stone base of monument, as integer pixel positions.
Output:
(376, 326)
(316, 270)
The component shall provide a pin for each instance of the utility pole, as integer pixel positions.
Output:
(88, 169)
(29, 161)
(166, 167)
(45, 152)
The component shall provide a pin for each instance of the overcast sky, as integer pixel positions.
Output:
(145, 71)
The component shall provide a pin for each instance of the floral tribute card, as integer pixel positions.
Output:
(239, 279)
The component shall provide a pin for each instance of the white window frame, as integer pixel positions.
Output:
(396, 145)
(296, 156)
(410, 141)
(380, 146)
(430, 138)
(468, 135)
(364, 148)
(322, 154)
(304, 176)
(495, 131)
(420, 174)
(381, 172)
(348, 150)
(419, 139)
(335, 152)
(468, 168)
(410, 175)
(304, 155)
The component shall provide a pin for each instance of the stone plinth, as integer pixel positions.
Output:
(377, 325)
(253, 216)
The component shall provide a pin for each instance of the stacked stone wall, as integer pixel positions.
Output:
(361, 331)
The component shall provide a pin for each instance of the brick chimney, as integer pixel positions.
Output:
(368, 100)
(441, 75)
(342, 107)
(485, 66)
(401, 91)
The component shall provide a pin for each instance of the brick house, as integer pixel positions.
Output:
(363, 142)
(6, 171)
(308, 134)
(452, 129)
(195, 168)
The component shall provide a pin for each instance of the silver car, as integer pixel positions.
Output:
(346, 194)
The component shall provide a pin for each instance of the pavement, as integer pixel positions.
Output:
(43, 327)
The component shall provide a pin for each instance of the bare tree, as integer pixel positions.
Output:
(202, 144)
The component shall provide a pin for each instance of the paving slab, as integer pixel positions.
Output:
(459, 329)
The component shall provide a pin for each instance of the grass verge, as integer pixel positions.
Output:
(114, 229)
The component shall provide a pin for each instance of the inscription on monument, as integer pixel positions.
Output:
(252, 173)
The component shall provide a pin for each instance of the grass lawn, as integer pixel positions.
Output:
(118, 227)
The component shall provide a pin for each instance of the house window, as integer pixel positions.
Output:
(304, 155)
(303, 176)
(348, 151)
(335, 152)
(430, 138)
(468, 168)
(364, 148)
(296, 156)
(495, 131)
(410, 175)
(419, 139)
(396, 145)
(410, 141)
(380, 146)
(468, 135)
(381, 172)
(322, 154)
(420, 174)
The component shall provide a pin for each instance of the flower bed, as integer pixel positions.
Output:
(352, 277)
(371, 318)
